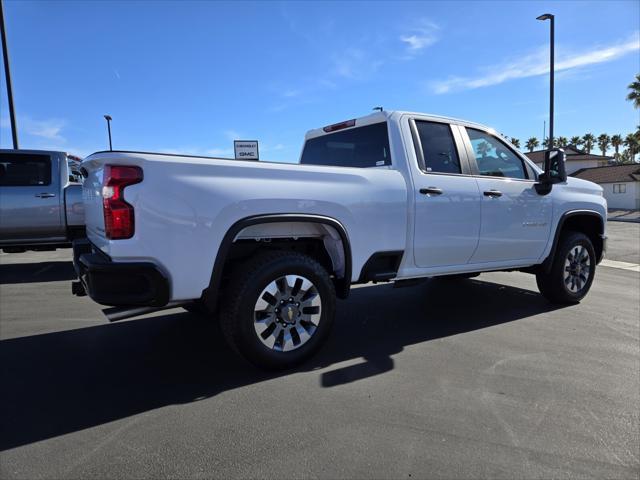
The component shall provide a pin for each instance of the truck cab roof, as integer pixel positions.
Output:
(386, 115)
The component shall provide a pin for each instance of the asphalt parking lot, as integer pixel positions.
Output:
(476, 378)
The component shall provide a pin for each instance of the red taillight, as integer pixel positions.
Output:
(119, 220)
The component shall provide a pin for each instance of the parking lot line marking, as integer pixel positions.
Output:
(634, 267)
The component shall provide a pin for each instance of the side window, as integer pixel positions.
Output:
(366, 146)
(494, 158)
(24, 169)
(438, 147)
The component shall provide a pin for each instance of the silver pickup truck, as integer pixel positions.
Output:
(40, 200)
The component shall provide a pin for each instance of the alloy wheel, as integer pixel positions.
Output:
(287, 313)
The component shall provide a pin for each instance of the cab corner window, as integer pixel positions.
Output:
(494, 158)
(362, 147)
(438, 148)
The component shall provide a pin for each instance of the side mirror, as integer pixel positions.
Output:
(554, 170)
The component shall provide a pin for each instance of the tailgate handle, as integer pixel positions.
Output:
(45, 195)
(431, 191)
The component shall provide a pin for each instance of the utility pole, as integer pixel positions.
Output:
(7, 74)
(108, 119)
(549, 16)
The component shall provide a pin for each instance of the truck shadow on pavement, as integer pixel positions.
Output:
(63, 382)
(36, 272)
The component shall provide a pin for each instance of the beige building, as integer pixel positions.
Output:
(621, 184)
(576, 159)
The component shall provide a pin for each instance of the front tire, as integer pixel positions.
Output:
(278, 309)
(572, 270)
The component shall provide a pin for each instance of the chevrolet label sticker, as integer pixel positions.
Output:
(246, 149)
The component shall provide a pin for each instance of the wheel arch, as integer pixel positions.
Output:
(342, 284)
(589, 222)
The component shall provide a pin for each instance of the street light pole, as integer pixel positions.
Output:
(7, 74)
(108, 119)
(549, 16)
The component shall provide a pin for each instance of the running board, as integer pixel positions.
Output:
(114, 314)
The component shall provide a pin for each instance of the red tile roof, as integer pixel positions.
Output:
(610, 174)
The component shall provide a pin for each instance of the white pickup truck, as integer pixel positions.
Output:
(393, 196)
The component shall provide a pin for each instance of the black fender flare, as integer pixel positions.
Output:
(546, 264)
(343, 285)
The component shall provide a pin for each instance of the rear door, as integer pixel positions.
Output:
(30, 203)
(447, 199)
(516, 220)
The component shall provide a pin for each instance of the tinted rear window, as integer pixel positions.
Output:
(358, 147)
(24, 169)
(438, 147)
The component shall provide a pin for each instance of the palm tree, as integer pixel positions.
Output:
(515, 142)
(632, 143)
(483, 148)
(547, 144)
(532, 144)
(575, 141)
(562, 142)
(616, 142)
(588, 140)
(603, 142)
(634, 94)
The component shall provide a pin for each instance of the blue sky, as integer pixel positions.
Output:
(192, 76)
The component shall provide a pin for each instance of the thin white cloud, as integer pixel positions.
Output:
(358, 62)
(45, 135)
(355, 64)
(232, 135)
(48, 129)
(420, 37)
(291, 93)
(536, 64)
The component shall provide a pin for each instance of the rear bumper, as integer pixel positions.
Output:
(118, 283)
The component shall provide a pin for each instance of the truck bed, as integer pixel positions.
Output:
(185, 205)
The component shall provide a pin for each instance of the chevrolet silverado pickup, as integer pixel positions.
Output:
(267, 247)
(41, 203)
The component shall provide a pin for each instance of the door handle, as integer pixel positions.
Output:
(431, 191)
(45, 195)
(493, 193)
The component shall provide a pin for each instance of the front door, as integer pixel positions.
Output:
(516, 220)
(447, 199)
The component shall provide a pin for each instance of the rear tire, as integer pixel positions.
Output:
(278, 309)
(572, 270)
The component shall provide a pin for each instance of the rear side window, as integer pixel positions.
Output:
(358, 147)
(438, 147)
(24, 169)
